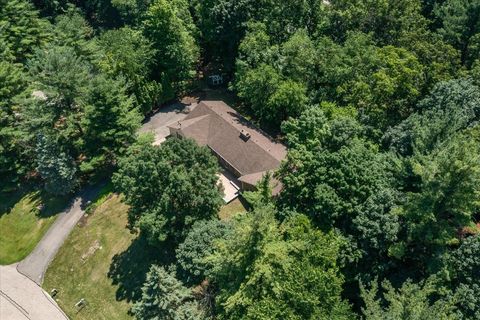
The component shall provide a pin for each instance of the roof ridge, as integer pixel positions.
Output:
(262, 135)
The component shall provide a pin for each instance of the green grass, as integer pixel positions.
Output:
(102, 262)
(22, 224)
(231, 209)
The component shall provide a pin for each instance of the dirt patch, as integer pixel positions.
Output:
(96, 246)
(83, 220)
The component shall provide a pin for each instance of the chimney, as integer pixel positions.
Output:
(244, 135)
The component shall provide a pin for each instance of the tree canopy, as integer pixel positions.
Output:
(168, 187)
(377, 102)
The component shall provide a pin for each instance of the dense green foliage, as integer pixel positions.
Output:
(269, 271)
(463, 268)
(412, 301)
(170, 28)
(198, 244)
(378, 102)
(168, 187)
(164, 297)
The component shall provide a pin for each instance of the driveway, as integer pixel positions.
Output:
(21, 296)
(157, 124)
(35, 265)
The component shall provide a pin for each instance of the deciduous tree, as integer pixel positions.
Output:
(169, 187)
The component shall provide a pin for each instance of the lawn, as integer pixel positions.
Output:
(102, 262)
(231, 209)
(105, 264)
(22, 223)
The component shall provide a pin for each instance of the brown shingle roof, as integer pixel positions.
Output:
(224, 130)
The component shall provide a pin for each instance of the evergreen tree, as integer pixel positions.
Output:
(413, 301)
(55, 166)
(164, 297)
(13, 82)
(21, 28)
(109, 123)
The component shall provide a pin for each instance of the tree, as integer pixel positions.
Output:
(459, 23)
(172, 38)
(72, 30)
(199, 244)
(450, 107)
(412, 301)
(169, 187)
(383, 83)
(445, 198)
(272, 99)
(387, 20)
(129, 54)
(299, 57)
(13, 82)
(269, 271)
(62, 75)
(330, 169)
(223, 23)
(109, 123)
(55, 167)
(89, 114)
(164, 297)
(376, 231)
(440, 61)
(463, 268)
(131, 11)
(22, 29)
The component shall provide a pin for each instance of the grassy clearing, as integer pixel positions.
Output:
(22, 223)
(231, 209)
(102, 262)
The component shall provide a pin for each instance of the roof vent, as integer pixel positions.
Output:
(244, 135)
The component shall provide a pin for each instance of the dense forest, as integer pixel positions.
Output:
(378, 102)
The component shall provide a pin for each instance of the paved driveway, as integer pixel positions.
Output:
(22, 299)
(35, 265)
(157, 124)
(21, 296)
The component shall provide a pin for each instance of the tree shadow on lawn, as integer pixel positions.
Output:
(46, 204)
(9, 199)
(128, 269)
(52, 205)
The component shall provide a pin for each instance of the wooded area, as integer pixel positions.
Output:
(378, 102)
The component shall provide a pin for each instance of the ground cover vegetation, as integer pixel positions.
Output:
(377, 101)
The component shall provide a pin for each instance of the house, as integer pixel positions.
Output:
(242, 149)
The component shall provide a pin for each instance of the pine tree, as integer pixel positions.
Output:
(164, 297)
(55, 166)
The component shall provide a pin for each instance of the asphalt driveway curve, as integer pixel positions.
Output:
(36, 263)
(21, 294)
